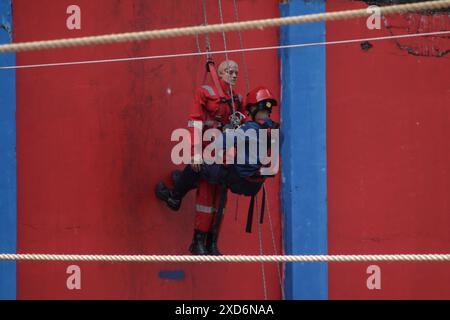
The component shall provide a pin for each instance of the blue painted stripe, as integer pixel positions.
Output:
(8, 184)
(172, 275)
(304, 152)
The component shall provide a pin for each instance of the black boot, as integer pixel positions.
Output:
(211, 244)
(197, 247)
(167, 195)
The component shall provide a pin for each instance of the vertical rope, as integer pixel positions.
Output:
(241, 43)
(247, 81)
(207, 39)
(280, 278)
(226, 55)
(263, 270)
(197, 42)
(205, 22)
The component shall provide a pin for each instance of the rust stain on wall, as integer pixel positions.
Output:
(420, 22)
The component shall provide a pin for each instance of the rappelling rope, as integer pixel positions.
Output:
(274, 244)
(233, 120)
(234, 26)
(199, 53)
(247, 84)
(229, 258)
(224, 37)
(241, 44)
(207, 39)
(263, 270)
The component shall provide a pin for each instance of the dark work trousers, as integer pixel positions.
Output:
(188, 180)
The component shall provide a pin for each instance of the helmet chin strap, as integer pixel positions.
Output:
(255, 112)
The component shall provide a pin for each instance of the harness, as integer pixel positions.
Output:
(236, 116)
(248, 186)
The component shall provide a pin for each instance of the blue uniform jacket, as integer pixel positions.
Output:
(247, 163)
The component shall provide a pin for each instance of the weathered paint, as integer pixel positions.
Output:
(304, 152)
(388, 157)
(93, 141)
(8, 186)
(87, 135)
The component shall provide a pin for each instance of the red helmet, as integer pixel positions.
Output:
(260, 94)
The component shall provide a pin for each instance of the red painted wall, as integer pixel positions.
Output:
(93, 140)
(388, 156)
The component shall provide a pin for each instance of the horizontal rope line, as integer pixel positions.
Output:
(192, 54)
(230, 258)
(214, 28)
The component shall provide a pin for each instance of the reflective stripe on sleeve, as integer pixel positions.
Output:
(210, 90)
(195, 124)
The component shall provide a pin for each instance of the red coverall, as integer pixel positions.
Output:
(209, 112)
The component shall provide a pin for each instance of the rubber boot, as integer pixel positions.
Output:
(168, 196)
(211, 244)
(197, 247)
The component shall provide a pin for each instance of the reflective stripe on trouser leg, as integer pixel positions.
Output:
(206, 205)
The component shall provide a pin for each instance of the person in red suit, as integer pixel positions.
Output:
(212, 108)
